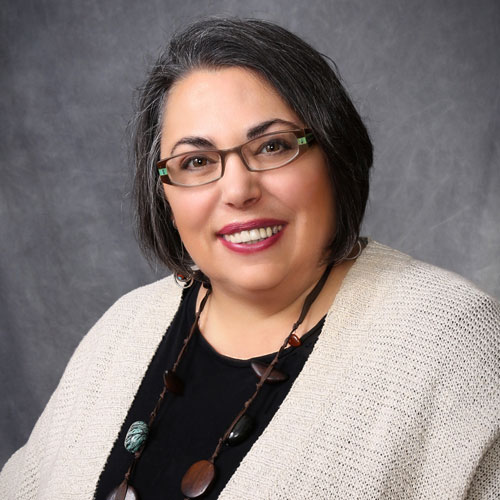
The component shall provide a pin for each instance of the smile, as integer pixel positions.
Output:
(253, 235)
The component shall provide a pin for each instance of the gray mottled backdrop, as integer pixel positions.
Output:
(425, 75)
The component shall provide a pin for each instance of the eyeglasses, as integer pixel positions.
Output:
(266, 152)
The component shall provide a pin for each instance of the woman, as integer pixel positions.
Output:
(300, 361)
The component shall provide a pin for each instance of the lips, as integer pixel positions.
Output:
(251, 236)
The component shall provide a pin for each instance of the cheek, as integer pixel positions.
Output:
(307, 193)
(314, 205)
(191, 209)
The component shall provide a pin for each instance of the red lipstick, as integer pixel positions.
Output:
(256, 246)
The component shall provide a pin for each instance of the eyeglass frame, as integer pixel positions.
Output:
(304, 136)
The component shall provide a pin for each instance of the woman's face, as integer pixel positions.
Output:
(221, 107)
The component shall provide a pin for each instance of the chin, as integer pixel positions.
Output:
(252, 279)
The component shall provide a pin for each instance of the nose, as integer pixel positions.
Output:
(240, 188)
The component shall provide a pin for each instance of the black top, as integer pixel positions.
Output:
(188, 427)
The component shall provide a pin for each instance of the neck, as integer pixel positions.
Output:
(247, 325)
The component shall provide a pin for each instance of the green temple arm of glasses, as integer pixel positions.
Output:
(306, 139)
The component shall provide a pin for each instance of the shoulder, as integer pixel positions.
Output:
(435, 311)
(431, 333)
(420, 286)
(158, 299)
(137, 318)
(147, 296)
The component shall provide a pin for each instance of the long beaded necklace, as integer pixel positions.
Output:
(201, 475)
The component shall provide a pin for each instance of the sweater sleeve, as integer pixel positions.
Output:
(485, 484)
(20, 477)
(26, 472)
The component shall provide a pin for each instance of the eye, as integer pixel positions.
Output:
(195, 162)
(273, 146)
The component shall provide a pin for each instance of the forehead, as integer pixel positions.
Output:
(221, 104)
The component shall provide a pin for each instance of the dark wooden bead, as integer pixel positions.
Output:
(123, 492)
(198, 479)
(294, 341)
(173, 383)
(273, 378)
(242, 429)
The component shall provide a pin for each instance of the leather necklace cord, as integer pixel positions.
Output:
(308, 302)
(156, 409)
(201, 475)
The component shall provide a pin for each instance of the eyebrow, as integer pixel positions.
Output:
(253, 132)
(198, 142)
(262, 127)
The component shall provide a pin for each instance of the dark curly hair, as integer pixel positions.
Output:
(304, 79)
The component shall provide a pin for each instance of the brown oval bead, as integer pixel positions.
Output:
(173, 383)
(273, 378)
(294, 341)
(198, 479)
(123, 492)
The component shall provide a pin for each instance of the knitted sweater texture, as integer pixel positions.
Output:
(400, 398)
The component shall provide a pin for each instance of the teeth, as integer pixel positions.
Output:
(254, 235)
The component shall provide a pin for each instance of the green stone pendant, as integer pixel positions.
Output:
(136, 436)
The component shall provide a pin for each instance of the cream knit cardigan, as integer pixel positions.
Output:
(400, 398)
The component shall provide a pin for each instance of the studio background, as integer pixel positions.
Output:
(425, 76)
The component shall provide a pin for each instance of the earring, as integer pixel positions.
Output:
(173, 223)
(183, 281)
(358, 242)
